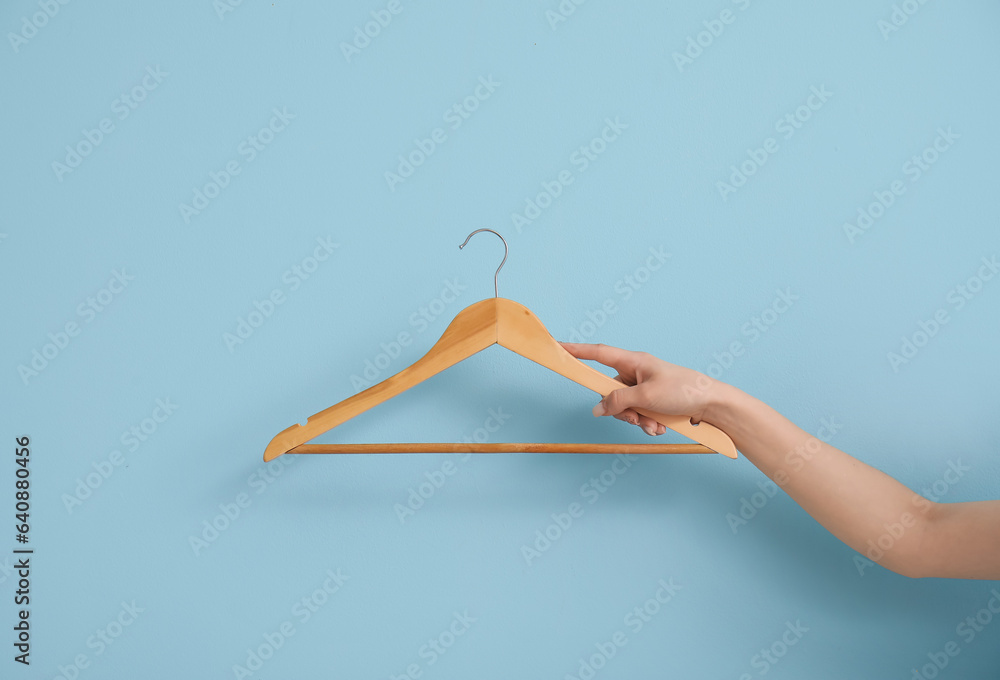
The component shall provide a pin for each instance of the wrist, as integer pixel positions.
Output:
(721, 404)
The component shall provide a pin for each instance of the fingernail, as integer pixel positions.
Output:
(649, 430)
(599, 408)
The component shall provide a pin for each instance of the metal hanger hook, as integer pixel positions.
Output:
(496, 288)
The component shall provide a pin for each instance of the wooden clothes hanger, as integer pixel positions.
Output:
(509, 324)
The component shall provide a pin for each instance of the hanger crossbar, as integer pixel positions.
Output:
(511, 447)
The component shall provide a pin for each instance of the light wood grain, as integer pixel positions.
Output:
(510, 447)
(478, 326)
(520, 331)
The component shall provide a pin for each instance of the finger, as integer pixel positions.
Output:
(622, 360)
(629, 416)
(621, 399)
(648, 425)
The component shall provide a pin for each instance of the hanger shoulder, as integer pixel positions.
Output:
(472, 330)
(484, 323)
(519, 330)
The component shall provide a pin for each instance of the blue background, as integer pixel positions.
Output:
(323, 175)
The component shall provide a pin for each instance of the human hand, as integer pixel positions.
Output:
(652, 384)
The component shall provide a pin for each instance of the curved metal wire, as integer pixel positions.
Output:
(496, 288)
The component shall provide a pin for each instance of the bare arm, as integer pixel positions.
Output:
(857, 503)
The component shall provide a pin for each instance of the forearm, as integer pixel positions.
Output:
(864, 507)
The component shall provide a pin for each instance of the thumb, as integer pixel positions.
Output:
(621, 399)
